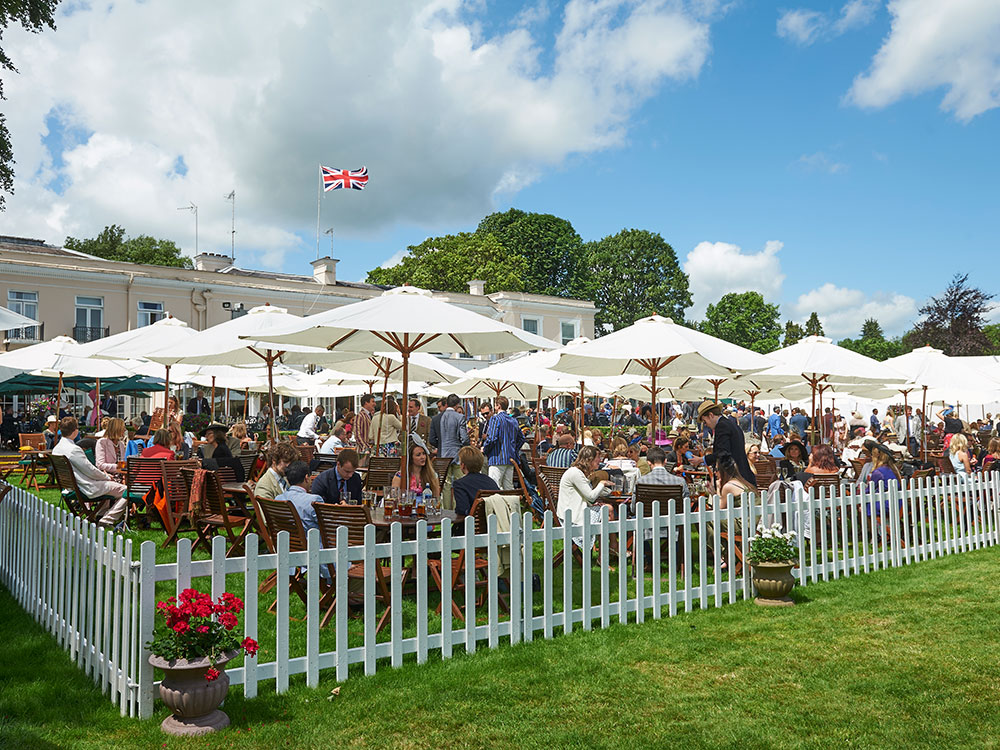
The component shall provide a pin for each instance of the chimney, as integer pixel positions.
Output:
(325, 270)
(212, 261)
(477, 287)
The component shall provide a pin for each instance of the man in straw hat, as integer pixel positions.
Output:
(728, 438)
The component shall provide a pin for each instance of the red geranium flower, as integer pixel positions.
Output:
(211, 674)
(250, 646)
(228, 620)
(180, 626)
(202, 629)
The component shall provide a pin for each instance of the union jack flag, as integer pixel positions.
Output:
(352, 179)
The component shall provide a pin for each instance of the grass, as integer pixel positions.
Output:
(899, 658)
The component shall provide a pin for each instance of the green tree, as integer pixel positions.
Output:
(744, 319)
(114, 244)
(992, 332)
(793, 333)
(813, 326)
(633, 274)
(448, 263)
(873, 342)
(550, 245)
(954, 321)
(34, 16)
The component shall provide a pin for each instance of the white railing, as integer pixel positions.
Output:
(79, 582)
(841, 534)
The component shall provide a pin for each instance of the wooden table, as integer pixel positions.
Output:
(235, 488)
(410, 522)
(38, 460)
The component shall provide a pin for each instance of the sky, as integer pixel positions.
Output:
(837, 156)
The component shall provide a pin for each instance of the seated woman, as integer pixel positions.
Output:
(177, 442)
(795, 459)
(958, 453)
(422, 473)
(681, 455)
(992, 453)
(238, 439)
(110, 449)
(576, 495)
(160, 447)
(822, 462)
(884, 473)
(729, 486)
(753, 455)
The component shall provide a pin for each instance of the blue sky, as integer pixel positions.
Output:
(734, 128)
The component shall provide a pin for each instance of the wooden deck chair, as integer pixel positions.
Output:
(481, 564)
(77, 503)
(666, 494)
(215, 516)
(177, 493)
(32, 440)
(548, 482)
(766, 472)
(354, 518)
(247, 460)
(141, 474)
(441, 469)
(278, 516)
(381, 471)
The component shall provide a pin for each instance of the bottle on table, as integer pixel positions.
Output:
(426, 498)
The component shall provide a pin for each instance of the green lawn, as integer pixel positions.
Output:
(900, 658)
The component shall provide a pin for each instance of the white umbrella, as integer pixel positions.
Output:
(10, 320)
(656, 346)
(407, 320)
(41, 357)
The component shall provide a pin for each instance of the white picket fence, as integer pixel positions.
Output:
(101, 605)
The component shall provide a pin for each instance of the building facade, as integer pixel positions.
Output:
(85, 297)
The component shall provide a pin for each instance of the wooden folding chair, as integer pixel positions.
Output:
(766, 473)
(247, 461)
(381, 470)
(215, 516)
(354, 518)
(178, 496)
(666, 494)
(140, 476)
(77, 503)
(34, 440)
(278, 516)
(441, 469)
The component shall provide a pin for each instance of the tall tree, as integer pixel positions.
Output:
(954, 321)
(114, 244)
(744, 319)
(549, 244)
(633, 274)
(793, 333)
(33, 15)
(873, 342)
(448, 263)
(813, 326)
(992, 332)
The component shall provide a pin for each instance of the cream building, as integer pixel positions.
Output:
(85, 297)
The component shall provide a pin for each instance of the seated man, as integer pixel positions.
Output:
(92, 482)
(778, 449)
(337, 440)
(471, 462)
(658, 473)
(563, 456)
(272, 483)
(299, 494)
(342, 483)
(544, 444)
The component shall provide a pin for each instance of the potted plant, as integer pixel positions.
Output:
(192, 647)
(772, 556)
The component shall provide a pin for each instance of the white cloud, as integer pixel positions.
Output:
(820, 162)
(717, 268)
(441, 113)
(842, 311)
(932, 44)
(804, 26)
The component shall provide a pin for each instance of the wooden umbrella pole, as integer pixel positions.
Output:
(59, 395)
(405, 460)
(812, 423)
(923, 431)
(538, 419)
(906, 405)
(822, 421)
(581, 410)
(752, 395)
(270, 394)
(246, 403)
(97, 406)
(213, 398)
(166, 397)
(381, 413)
(614, 415)
(652, 394)
(228, 408)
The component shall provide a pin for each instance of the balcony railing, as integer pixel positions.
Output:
(27, 335)
(83, 334)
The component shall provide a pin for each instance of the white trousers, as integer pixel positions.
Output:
(503, 476)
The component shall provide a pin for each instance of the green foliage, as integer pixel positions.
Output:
(771, 545)
(813, 326)
(633, 274)
(550, 245)
(448, 263)
(195, 627)
(113, 243)
(794, 333)
(954, 322)
(744, 319)
(33, 16)
(992, 332)
(873, 342)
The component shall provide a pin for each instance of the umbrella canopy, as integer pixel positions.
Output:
(946, 378)
(818, 358)
(138, 342)
(380, 365)
(10, 320)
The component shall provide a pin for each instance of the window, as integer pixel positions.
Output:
(89, 319)
(530, 325)
(569, 330)
(149, 313)
(238, 310)
(25, 303)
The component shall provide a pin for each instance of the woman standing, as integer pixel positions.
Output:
(110, 449)
(385, 427)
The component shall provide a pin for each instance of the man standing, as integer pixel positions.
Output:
(434, 433)
(342, 483)
(92, 482)
(501, 444)
(363, 421)
(774, 423)
(875, 424)
(307, 430)
(485, 412)
(454, 435)
(417, 424)
(728, 438)
(799, 422)
(907, 429)
(198, 404)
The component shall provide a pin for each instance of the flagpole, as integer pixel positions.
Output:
(319, 195)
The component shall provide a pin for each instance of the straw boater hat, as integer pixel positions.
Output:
(707, 406)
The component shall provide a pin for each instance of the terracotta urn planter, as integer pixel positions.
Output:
(774, 581)
(193, 700)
